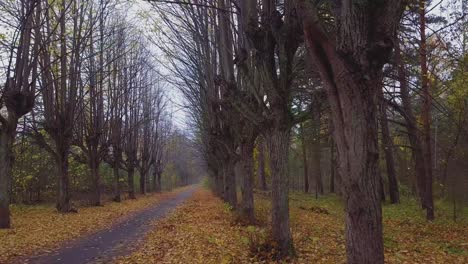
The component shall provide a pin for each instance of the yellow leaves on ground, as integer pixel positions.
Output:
(198, 232)
(203, 231)
(41, 228)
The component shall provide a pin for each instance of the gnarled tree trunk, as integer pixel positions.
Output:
(278, 144)
(357, 147)
(350, 65)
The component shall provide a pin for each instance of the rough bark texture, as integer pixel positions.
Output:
(246, 172)
(358, 157)
(387, 143)
(350, 66)
(359, 167)
(278, 144)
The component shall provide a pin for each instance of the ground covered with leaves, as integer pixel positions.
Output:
(40, 229)
(205, 231)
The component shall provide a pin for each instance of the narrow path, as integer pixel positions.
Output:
(117, 241)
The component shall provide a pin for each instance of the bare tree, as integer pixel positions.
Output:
(18, 94)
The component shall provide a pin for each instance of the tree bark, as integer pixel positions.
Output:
(360, 172)
(387, 143)
(157, 179)
(381, 187)
(304, 159)
(278, 144)
(261, 164)
(332, 165)
(353, 101)
(96, 178)
(6, 159)
(229, 179)
(426, 113)
(130, 182)
(414, 134)
(117, 187)
(316, 151)
(246, 173)
(143, 182)
(158, 182)
(63, 197)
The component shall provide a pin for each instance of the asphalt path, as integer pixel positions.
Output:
(119, 240)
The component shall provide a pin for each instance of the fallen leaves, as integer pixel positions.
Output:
(200, 231)
(203, 231)
(40, 229)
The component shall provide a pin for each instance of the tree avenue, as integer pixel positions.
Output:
(343, 99)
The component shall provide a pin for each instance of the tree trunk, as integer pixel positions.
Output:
(414, 134)
(159, 189)
(6, 160)
(332, 165)
(219, 181)
(156, 180)
(229, 178)
(117, 187)
(304, 159)
(278, 145)
(381, 187)
(246, 173)
(387, 143)
(63, 197)
(94, 165)
(130, 182)
(316, 151)
(143, 182)
(359, 170)
(426, 113)
(261, 164)
(353, 101)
